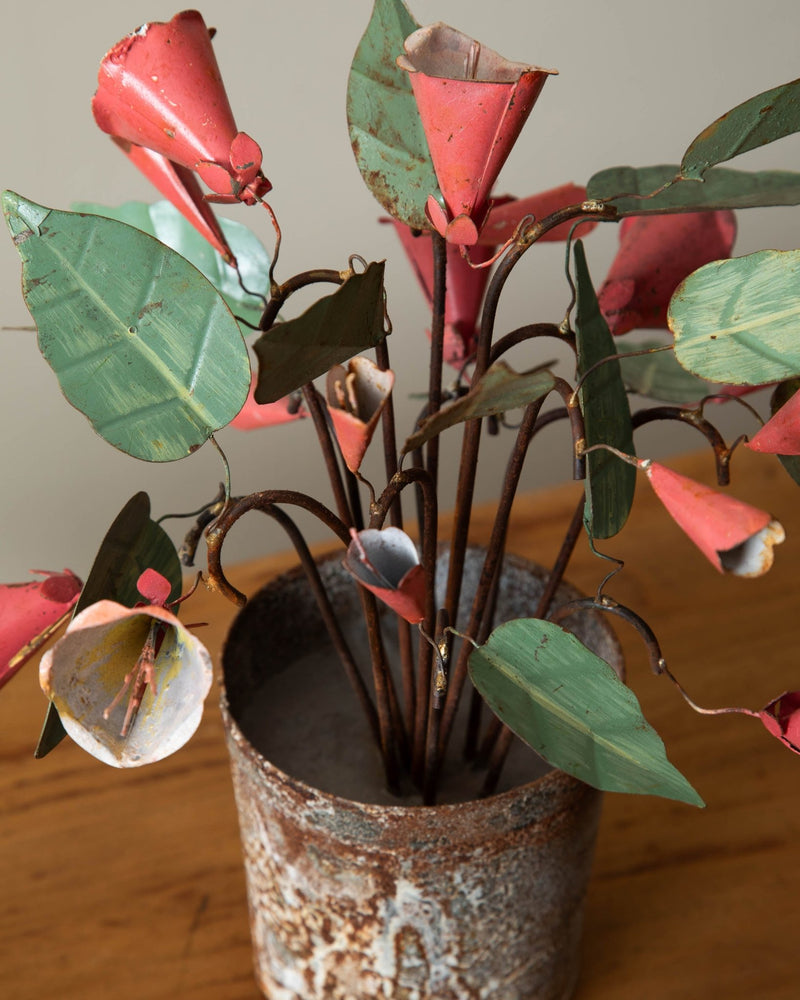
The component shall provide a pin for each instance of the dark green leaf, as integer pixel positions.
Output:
(762, 119)
(331, 331)
(499, 390)
(385, 129)
(610, 482)
(737, 320)
(166, 223)
(141, 342)
(572, 709)
(659, 376)
(720, 188)
(131, 545)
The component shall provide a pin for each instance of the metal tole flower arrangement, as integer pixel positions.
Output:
(145, 314)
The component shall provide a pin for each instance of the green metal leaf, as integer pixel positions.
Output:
(572, 709)
(141, 342)
(737, 320)
(720, 188)
(610, 482)
(781, 395)
(500, 389)
(385, 130)
(659, 376)
(762, 119)
(166, 223)
(335, 328)
(131, 545)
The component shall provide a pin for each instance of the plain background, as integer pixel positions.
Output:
(637, 82)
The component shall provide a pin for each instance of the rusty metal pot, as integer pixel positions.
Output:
(352, 900)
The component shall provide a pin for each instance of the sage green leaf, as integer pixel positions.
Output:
(781, 395)
(500, 389)
(385, 129)
(610, 482)
(142, 344)
(572, 709)
(335, 328)
(737, 320)
(721, 188)
(131, 545)
(659, 376)
(166, 223)
(757, 121)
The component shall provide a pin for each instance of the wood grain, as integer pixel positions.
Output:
(130, 885)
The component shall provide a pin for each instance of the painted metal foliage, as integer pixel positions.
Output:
(572, 709)
(329, 332)
(385, 130)
(610, 483)
(142, 344)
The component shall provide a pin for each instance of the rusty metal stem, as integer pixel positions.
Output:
(480, 618)
(692, 417)
(529, 332)
(476, 701)
(429, 543)
(404, 636)
(290, 286)
(318, 415)
(437, 348)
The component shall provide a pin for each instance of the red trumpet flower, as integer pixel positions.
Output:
(160, 87)
(473, 104)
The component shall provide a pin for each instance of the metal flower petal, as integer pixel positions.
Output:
(473, 104)
(160, 87)
(465, 289)
(128, 683)
(29, 613)
(180, 186)
(780, 435)
(782, 718)
(656, 253)
(732, 535)
(357, 394)
(386, 562)
(506, 214)
(254, 415)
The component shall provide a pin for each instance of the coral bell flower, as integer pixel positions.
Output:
(128, 683)
(472, 104)
(656, 253)
(356, 395)
(160, 87)
(734, 536)
(780, 435)
(386, 563)
(782, 718)
(30, 613)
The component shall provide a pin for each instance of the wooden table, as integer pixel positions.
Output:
(130, 885)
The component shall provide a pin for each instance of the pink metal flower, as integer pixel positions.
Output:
(734, 536)
(506, 214)
(29, 613)
(473, 104)
(656, 253)
(780, 435)
(253, 415)
(180, 186)
(357, 394)
(160, 87)
(465, 288)
(782, 718)
(386, 563)
(128, 683)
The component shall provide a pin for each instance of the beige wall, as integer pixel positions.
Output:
(638, 81)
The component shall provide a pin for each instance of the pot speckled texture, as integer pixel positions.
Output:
(478, 900)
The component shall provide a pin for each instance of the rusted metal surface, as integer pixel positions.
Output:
(472, 901)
